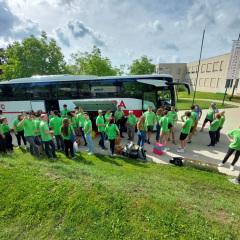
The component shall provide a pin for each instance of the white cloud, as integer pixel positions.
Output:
(151, 27)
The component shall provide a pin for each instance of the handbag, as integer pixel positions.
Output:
(117, 139)
(73, 137)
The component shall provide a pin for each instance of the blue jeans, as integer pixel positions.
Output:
(90, 143)
(141, 137)
(82, 132)
(59, 141)
(33, 146)
(158, 131)
(51, 143)
(101, 141)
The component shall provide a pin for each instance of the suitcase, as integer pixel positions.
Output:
(158, 148)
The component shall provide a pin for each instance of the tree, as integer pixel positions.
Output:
(142, 66)
(93, 64)
(33, 57)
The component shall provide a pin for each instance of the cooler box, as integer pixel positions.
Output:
(158, 148)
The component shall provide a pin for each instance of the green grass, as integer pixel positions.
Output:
(99, 197)
(205, 95)
(184, 104)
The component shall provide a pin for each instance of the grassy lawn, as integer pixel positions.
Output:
(205, 95)
(99, 197)
(183, 104)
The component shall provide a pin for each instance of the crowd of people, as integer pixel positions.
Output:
(39, 129)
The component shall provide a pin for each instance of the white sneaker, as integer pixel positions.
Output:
(88, 150)
(167, 149)
(180, 150)
(235, 181)
(220, 164)
(18, 147)
(231, 167)
(106, 141)
(113, 155)
(90, 153)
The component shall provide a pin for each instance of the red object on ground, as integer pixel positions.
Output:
(158, 148)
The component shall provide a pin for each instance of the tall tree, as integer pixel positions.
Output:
(33, 56)
(141, 66)
(85, 63)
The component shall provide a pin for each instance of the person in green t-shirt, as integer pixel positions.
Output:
(6, 131)
(119, 119)
(158, 127)
(55, 124)
(142, 130)
(185, 131)
(210, 115)
(234, 146)
(88, 133)
(150, 120)
(37, 138)
(2, 140)
(51, 115)
(65, 111)
(131, 125)
(29, 129)
(112, 131)
(81, 120)
(213, 129)
(101, 126)
(66, 130)
(165, 123)
(222, 120)
(174, 117)
(72, 121)
(77, 121)
(19, 131)
(46, 136)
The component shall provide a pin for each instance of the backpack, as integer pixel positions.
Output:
(142, 153)
(177, 161)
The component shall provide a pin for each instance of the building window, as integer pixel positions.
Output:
(204, 67)
(201, 82)
(221, 65)
(216, 66)
(236, 83)
(209, 67)
(193, 69)
(217, 84)
(189, 70)
(178, 71)
(207, 82)
(229, 83)
(213, 83)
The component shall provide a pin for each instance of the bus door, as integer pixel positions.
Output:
(37, 104)
(51, 105)
(149, 99)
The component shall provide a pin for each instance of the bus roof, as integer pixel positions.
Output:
(60, 78)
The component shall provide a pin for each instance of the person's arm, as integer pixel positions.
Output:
(14, 129)
(200, 114)
(230, 139)
(182, 118)
(3, 136)
(89, 130)
(118, 132)
(21, 123)
(46, 131)
(109, 117)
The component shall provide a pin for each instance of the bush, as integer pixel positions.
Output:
(181, 89)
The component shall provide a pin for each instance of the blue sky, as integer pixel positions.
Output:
(124, 30)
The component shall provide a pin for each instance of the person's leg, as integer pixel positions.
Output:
(3, 144)
(161, 137)
(143, 136)
(102, 140)
(218, 134)
(229, 153)
(10, 142)
(66, 147)
(112, 145)
(173, 136)
(212, 137)
(128, 132)
(132, 131)
(166, 139)
(237, 154)
(18, 136)
(82, 132)
(33, 146)
(139, 137)
(158, 131)
(46, 144)
(57, 137)
(23, 138)
(203, 125)
(51, 143)
(70, 144)
(90, 143)
(61, 142)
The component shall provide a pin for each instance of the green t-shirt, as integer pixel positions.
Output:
(150, 117)
(158, 117)
(37, 124)
(15, 123)
(56, 124)
(111, 131)
(73, 120)
(107, 116)
(194, 117)
(187, 124)
(120, 115)
(164, 121)
(222, 121)
(81, 119)
(64, 113)
(50, 117)
(29, 127)
(214, 125)
(132, 120)
(68, 137)
(1, 128)
(100, 120)
(172, 115)
(43, 127)
(144, 127)
(236, 137)
(210, 114)
(87, 125)
(5, 128)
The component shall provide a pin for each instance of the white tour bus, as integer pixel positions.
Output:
(89, 92)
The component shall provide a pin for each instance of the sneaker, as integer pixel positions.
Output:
(18, 147)
(235, 181)
(88, 150)
(220, 164)
(167, 149)
(90, 153)
(106, 141)
(189, 141)
(73, 157)
(113, 155)
(149, 142)
(85, 144)
(180, 150)
(231, 167)
(104, 148)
